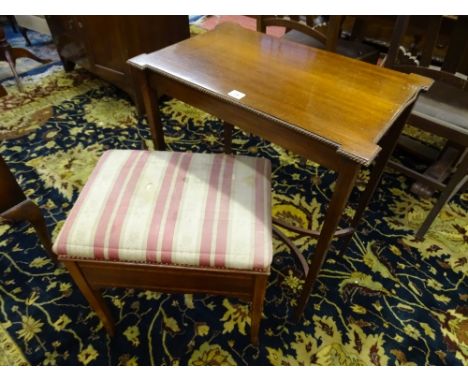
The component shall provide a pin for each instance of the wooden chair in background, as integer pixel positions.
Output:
(320, 33)
(15, 206)
(443, 110)
(11, 54)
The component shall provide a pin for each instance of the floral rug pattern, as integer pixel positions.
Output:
(390, 300)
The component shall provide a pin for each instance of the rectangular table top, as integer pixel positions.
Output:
(346, 103)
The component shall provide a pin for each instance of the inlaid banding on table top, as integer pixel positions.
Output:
(343, 102)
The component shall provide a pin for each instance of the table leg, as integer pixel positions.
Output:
(343, 187)
(388, 143)
(228, 137)
(153, 115)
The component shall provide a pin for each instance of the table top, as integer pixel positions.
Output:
(346, 103)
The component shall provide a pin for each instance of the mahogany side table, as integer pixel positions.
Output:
(328, 108)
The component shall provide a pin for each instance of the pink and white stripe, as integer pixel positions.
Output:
(101, 241)
(209, 210)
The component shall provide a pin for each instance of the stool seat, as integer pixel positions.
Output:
(172, 208)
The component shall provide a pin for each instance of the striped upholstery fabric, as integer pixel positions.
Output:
(207, 210)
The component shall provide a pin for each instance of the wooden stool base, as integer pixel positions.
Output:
(93, 275)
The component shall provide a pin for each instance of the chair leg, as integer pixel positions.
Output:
(257, 307)
(12, 62)
(388, 144)
(94, 297)
(13, 23)
(459, 178)
(21, 52)
(29, 211)
(37, 221)
(68, 65)
(439, 170)
(24, 32)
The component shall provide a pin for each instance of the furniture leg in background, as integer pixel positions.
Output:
(15, 26)
(388, 144)
(15, 207)
(458, 180)
(10, 55)
(344, 185)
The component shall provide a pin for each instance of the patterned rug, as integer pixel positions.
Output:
(390, 300)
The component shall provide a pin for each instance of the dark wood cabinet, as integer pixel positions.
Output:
(103, 44)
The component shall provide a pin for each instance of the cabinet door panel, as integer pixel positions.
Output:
(106, 48)
(103, 44)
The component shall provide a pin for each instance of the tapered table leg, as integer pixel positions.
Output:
(388, 143)
(343, 188)
(153, 115)
(228, 137)
(344, 185)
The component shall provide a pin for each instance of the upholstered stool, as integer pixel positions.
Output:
(172, 222)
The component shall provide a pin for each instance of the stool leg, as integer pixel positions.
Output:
(257, 307)
(94, 297)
